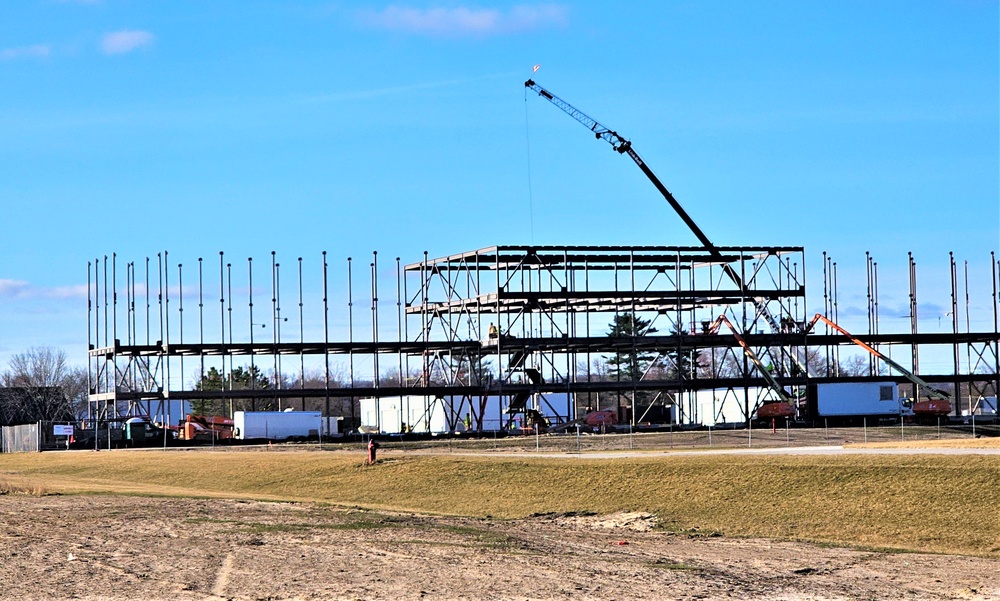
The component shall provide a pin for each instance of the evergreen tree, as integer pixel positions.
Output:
(239, 378)
(629, 365)
(684, 364)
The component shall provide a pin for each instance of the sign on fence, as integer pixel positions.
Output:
(62, 430)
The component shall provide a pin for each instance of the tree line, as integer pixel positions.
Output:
(40, 385)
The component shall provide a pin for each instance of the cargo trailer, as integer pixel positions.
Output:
(845, 401)
(276, 425)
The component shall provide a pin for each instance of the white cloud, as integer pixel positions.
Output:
(20, 289)
(36, 51)
(122, 42)
(14, 288)
(77, 291)
(463, 21)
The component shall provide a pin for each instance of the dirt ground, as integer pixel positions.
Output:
(103, 547)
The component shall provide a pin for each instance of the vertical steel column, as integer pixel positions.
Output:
(586, 325)
(350, 324)
(229, 309)
(201, 320)
(968, 345)
(954, 330)
(914, 348)
(222, 317)
(570, 333)
(147, 301)
(996, 325)
(425, 367)
(746, 364)
(278, 377)
(180, 320)
(166, 328)
(634, 358)
(326, 344)
(302, 340)
(129, 291)
(374, 291)
(114, 304)
(274, 320)
(399, 323)
(253, 351)
(836, 315)
(90, 347)
(499, 340)
(105, 300)
(406, 321)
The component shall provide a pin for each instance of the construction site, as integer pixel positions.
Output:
(516, 338)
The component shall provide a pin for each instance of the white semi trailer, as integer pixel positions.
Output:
(858, 399)
(276, 425)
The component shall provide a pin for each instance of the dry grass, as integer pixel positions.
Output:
(956, 443)
(18, 487)
(920, 502)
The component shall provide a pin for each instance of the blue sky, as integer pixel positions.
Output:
(250, 126)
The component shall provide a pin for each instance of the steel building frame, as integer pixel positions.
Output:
(552, 305)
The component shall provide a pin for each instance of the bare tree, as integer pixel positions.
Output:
(40, 385)
(855, 365)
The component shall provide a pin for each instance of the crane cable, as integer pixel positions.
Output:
(527, 143)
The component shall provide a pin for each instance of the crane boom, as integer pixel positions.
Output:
(623, 146)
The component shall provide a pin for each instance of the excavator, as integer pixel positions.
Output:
(938, 402)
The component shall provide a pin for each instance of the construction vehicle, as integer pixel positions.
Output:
(623, 146)
(603, 420)
(938, 402)
(534, 420)
(141, 432)
(205, 428)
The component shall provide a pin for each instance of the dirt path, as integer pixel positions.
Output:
(127, 548)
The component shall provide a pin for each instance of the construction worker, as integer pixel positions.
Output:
(494, 332)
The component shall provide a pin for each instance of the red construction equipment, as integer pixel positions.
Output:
(607, 418)
(938, 402)
(205, 428)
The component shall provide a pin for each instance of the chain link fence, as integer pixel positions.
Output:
(41, 436)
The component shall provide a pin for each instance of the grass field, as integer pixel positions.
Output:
(919, 502)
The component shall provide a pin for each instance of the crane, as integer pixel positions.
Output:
(623, 146)
(938, 403)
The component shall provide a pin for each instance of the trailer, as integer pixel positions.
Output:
(856, 400)
(277, 425)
